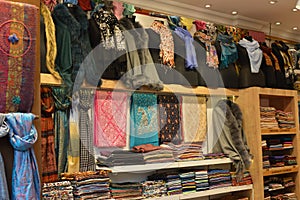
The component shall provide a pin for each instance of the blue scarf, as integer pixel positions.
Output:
(229, 51)
(25, 175)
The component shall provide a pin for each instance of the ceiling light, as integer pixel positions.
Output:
(295, 28)
(273, 2)
(298, 5)
(207, 6)
(295, 10)
(234, 12)
(277, 23)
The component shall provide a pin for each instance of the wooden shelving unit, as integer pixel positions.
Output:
(250, 100)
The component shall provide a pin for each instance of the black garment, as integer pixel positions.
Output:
(43, 47)
(246, 77)
(269, 72)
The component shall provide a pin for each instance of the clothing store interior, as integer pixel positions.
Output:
(152, 99)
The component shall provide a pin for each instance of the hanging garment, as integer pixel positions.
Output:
(17, 54)
(118, 9)
(50, 4)
(143, 124)
(254, 53)
(87, 158)
(25, 177)
(4, 129)
(194, 119)
(229, 52)
(191, 57)
(4, 194)
(49, 166)
(110, 119)
(228, 129)
(61, 127)
(169, 119)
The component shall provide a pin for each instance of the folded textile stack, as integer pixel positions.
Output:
(264, 145)
(89, 185)
(274, 144)
(219, 178)
(159, 156)
(267, 117)
(127, 190)
(153, 189)
(174, 184)
(246, 179)
(289, 196)
(57, 190)
(186, 151)
(201, 179)
(120, 158)
(266, 162)
(288, 182)
(290, 160)
(214, 156)
(287, 142)
(285, 119)
(277, 161)
(188, 182)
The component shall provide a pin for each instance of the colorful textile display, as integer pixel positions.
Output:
(246, 179)
(144, 123)
(219, 178)
(173, 184)
(285, 119)
(18, 31)
(25, 173)
(267, 117)
(110, 119)
(4, 194)
(186, 151)
(152, 189)
(159, 156)
(126, 190)
(194, 120)
(188, 182)
(201, 179)
(229, 50)
(169, 119)
(57, 190)
(49, 166)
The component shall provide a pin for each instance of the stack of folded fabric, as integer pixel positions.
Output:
(267, 117)
(274, 144)
(288, 182)
(290, 160)
(277, 161)
(127, 190)
(285, 119)
(174, 184)
(120, 158)
(152, 189)
(287, 142)
(159, 156)
(266, 161)
(57, 190)
(214, 156)
(264, 145)
(290, 196)
(219, 178)
(201, 179)
(89, 185)
(187, 151)
(188, 182)
(245, 179)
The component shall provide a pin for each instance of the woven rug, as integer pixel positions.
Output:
(18, 31)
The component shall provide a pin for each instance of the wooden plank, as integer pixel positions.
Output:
(278, 131)
(280, 170)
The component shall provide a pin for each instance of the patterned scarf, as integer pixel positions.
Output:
(143, 124)
(87, 159)
(110, 119)
(211, 53)
(4, 194)
(268, 59)
(166, 43)
(169, 119)
(25, 177)
(229, 52)
(49, 167)
(50, 4)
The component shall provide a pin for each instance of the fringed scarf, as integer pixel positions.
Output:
(25, 177)
(166, 43)
(229, 52)
(212, 59)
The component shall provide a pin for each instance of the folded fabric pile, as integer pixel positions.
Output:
(201, 179)
(174, 184)
(188, 182)
(288, 182)
(120, 158)
(290, 160)
(219, 178)
(245, 179)
(289, 196)
(214, 156)
(126, 190)
(186, 151)
(274, 144)
(152, 189)
(287, 142)
(162, 155)
(57, 190)
(89, 185)
(267, 117)
(277, 161)
(285, 119)
(266, 161)
(264, 145)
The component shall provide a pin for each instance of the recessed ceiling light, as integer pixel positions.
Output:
(277, 23)
(295, 10)
(273, 2)
(207, 5)
(234, 12)
(295, 28)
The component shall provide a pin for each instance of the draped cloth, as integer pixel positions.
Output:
(49, 166)
(25, 174)
(169, 119)
(3, 126)
(229, 52)
(194, 118)
(110, 117)
(61, 127)
(143, 124)
(87, 158)
(3, 184)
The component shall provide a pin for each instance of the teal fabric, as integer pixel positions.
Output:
(229, 52)
(144, 123)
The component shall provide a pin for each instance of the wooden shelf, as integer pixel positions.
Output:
(278, 131)
(280, 170)
(173, 165)
(206, 193)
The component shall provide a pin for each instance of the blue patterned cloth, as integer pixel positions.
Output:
(229, 52)
(3, 184)
(144, 123)
(25, 175)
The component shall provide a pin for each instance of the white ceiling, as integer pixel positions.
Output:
(252, 14)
